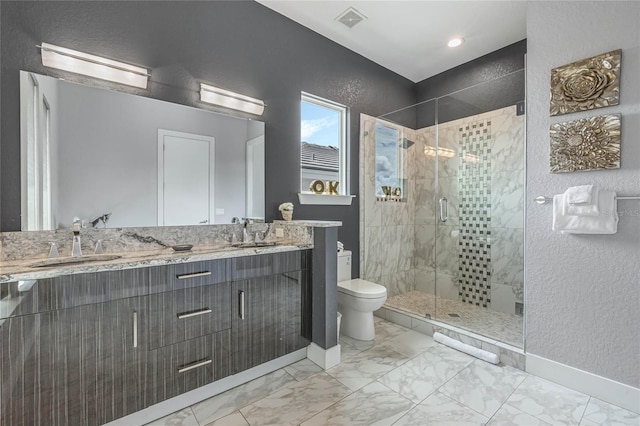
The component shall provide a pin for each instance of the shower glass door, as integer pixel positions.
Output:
(479, 202)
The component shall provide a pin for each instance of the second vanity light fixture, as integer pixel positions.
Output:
(93, 66)
(228, 99)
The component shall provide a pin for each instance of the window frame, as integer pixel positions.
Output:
(343, 148)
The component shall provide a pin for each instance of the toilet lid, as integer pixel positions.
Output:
(362, 288)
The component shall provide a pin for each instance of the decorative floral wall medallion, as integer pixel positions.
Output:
(586, 84)
(587, 144)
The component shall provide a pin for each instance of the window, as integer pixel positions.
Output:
(323, 146)
(391, 163)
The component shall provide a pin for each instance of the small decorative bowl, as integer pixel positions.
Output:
(182, 247)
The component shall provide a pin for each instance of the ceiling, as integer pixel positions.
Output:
(410, 37)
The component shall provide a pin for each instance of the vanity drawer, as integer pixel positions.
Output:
(69, 291)
(186, 275)
(246, 267)
(190, 364)
(185, 314)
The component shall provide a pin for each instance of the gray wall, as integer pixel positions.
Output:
(238, 45)
(109, 155)
(582, 291)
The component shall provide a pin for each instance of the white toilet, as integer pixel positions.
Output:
(357, 299)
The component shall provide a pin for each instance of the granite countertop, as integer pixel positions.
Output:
(22, 270)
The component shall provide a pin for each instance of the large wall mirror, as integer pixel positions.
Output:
(117, 160)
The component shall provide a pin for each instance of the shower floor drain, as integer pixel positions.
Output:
(454, 315)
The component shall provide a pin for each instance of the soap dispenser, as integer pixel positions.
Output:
(76, 251)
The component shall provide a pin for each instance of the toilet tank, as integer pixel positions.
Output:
(344, 265)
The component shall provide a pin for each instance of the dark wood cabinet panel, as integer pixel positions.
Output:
(188, 313)
(268, 318)
(72, 366)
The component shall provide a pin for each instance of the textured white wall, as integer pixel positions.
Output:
(583, 292)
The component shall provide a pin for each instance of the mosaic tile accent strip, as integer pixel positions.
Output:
(474, 186)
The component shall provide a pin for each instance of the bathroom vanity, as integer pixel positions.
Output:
(87, 348)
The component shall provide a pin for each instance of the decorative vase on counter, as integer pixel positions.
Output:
(287, 210)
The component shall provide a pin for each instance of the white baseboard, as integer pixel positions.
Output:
(607, 390)
(180, 402)
(325, 358)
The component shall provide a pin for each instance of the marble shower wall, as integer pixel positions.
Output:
(387, 236)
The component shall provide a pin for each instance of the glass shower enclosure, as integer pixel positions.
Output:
(442, 221)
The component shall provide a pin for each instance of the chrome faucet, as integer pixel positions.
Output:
(53, 251)
(245, 233)
(76, 251)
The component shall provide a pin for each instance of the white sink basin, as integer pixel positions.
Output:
(58, 261)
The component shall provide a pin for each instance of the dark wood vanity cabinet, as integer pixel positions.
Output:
(86, 349)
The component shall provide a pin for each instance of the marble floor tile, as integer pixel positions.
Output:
(549, 402)
(386, 330)
(304, 368)
(234, 419)
(410, 343)
(362, 369)
(374, 404)
(297, 403)
(181, 418)
(358, 345)
(420, 377)
(510, 416)
(226, 403)
(402, 377)
(603, 413)
(483, 387)
(441, 410)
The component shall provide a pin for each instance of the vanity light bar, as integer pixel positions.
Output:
(93, 66)
(225, 98)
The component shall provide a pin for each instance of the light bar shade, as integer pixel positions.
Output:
(93, 66)
(228, 99)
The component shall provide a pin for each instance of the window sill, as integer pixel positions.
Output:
(328, 200)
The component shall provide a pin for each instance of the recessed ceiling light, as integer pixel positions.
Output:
(455, 42)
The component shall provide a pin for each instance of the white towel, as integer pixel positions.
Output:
(605, 223)
(580, 194)
(587, 208)
(463, 347)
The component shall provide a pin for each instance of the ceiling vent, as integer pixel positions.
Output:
(351, 17)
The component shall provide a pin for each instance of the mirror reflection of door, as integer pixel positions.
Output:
(255, 177)
(36, 161)
(185, 178)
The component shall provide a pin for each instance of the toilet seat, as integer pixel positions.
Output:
(362, 289)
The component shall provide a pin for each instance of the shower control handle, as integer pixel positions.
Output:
(444, 209)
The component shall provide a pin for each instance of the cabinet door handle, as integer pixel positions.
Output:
(241, 304)
(135, 329)
(195, 364)
(194, 313)
(193, 275)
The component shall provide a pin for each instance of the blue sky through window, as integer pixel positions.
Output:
(319, 125)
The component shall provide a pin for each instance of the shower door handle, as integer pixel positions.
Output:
(444, 209)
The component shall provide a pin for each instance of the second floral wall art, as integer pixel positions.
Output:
(586, 144)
